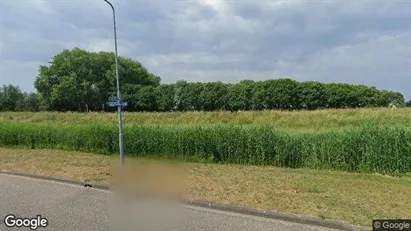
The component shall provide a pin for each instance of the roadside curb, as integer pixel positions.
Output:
(307, 220)
(56, 179)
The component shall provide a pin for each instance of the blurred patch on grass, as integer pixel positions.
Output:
(352, 197)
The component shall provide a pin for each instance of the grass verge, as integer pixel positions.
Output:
(351, 197)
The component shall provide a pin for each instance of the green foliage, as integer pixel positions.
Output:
(146, 99)
(240, 96)
(80, 80)
(213, 97)
(189, 96)
(369, 148)
(66, 96)
(13, 99)
(31, 102)
(165, 97)
(311, 95)
(178, 100)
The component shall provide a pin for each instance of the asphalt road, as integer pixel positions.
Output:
(70, 207)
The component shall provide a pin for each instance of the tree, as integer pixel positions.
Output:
(146, 99)
(189, 97)
(129, 95)
(31, 102)
(67, 95)
(165, 97)
(91, 77)
(368, 96)
(258, 96)
(11, 98)
(336, 95)
(240, 95)
(408, 104)
(311, 95)
(214, 96)
(178, 100)
(280, 93)
(275, 94)
(396, 98)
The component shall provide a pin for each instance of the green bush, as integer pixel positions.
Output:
(370, 148)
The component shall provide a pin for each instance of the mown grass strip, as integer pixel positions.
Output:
(352, 197)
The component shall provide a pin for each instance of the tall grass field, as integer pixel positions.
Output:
(370, 146)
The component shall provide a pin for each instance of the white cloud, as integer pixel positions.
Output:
(218, 5)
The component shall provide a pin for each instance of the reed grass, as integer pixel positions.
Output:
(369, 148)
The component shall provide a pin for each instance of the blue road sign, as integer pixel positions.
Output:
(124, 104)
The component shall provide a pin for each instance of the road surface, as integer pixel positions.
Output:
(71, 207)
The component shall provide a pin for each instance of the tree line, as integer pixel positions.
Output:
(283, 94)
(13, 99)
(78, 80)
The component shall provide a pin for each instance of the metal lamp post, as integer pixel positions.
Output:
(118, 104)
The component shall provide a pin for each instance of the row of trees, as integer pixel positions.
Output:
(13, 99)
(78, 80)
(246, 95)
(284, 94)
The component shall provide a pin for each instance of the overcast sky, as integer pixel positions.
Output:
(359, 42)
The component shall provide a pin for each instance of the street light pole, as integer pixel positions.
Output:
(120, 119)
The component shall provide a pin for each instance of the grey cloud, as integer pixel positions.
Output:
(330, 41)
(383, 63)
(16, 72)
